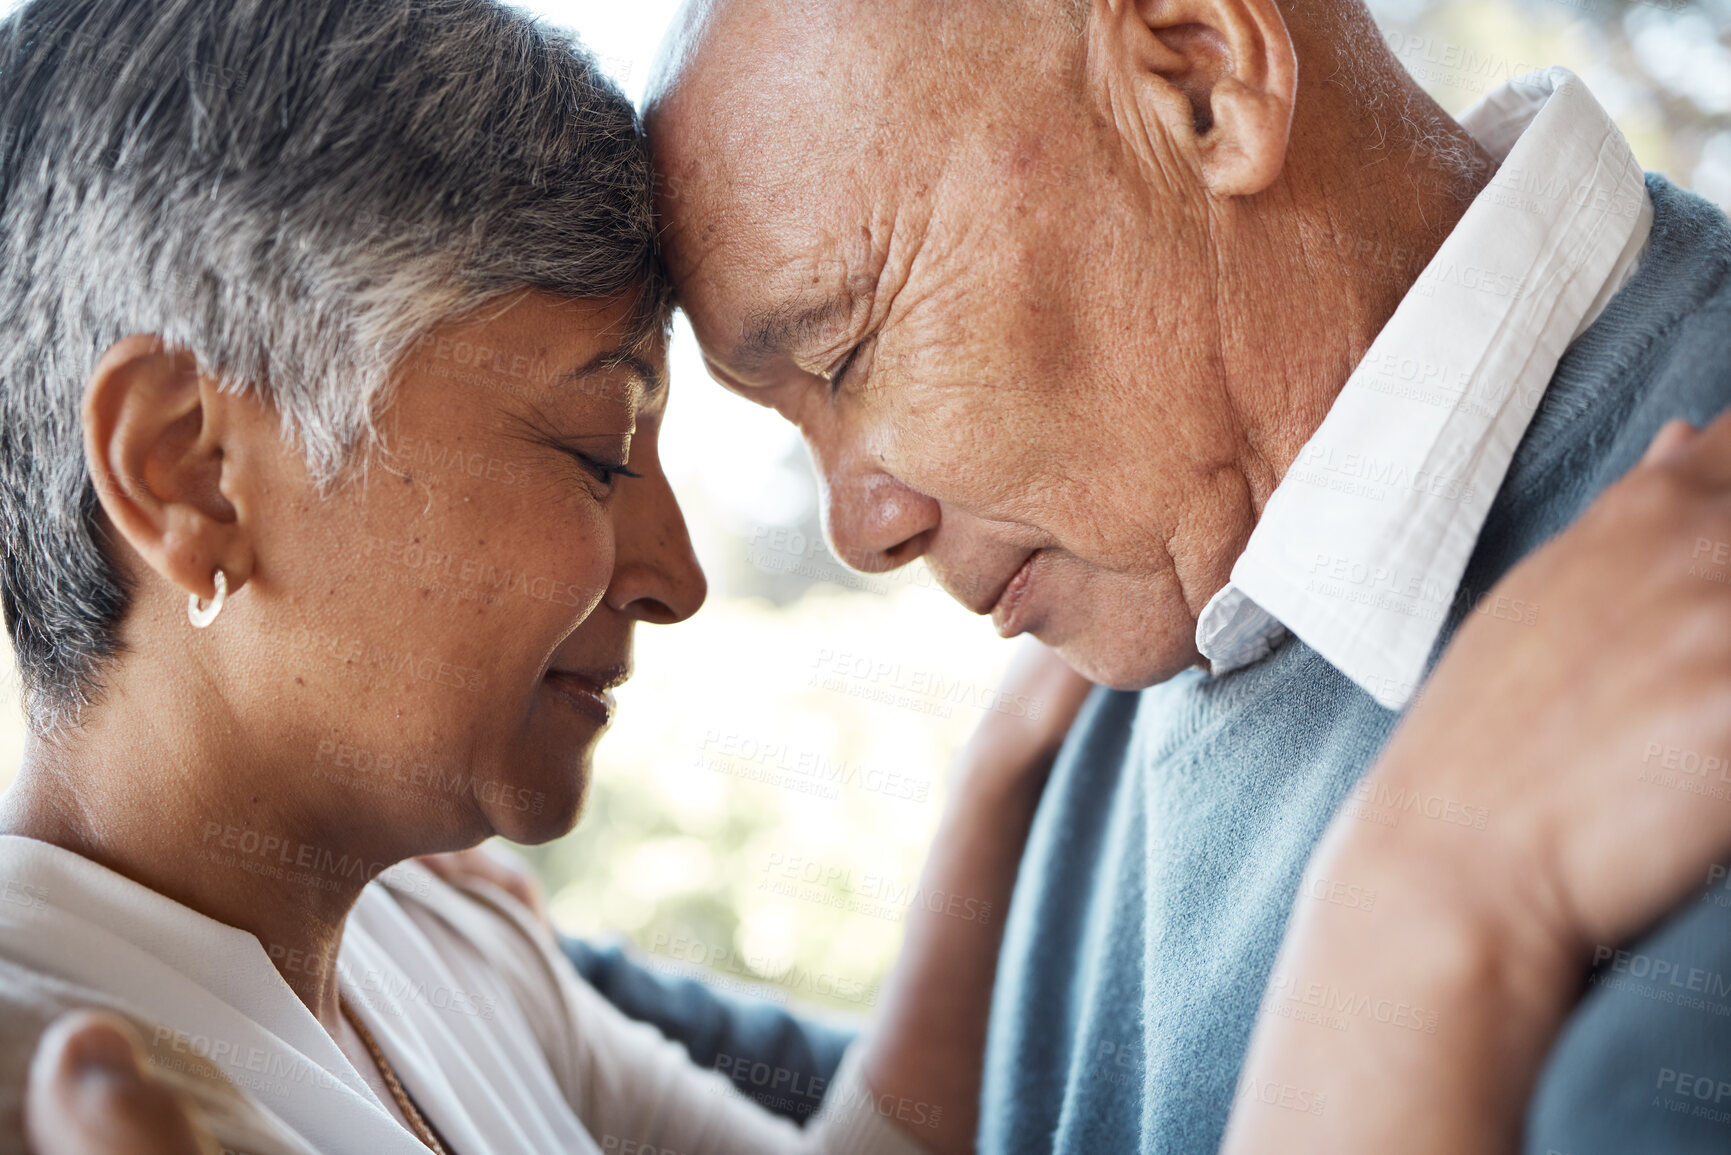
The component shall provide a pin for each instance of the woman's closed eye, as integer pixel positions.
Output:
(601, 470)
(601, 458)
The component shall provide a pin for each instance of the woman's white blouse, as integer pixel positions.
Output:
(504, 1048)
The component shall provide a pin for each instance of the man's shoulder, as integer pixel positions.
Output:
(1686, 274)
(1661, 349)
(1680, 320)
(1696, 236)
(1644, 1063)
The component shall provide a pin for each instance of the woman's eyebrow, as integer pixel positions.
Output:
(621, 357)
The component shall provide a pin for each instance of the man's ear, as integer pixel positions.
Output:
(1218, 78)
(153, 442)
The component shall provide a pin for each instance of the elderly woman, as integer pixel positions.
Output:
(333, 367)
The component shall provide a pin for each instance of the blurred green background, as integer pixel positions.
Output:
(739, 757)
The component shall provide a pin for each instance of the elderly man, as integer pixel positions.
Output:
(1192, 337)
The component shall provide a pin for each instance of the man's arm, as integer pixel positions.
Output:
(783, 1061)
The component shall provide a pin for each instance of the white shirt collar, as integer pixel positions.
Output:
(1361, 547)
(208, 990)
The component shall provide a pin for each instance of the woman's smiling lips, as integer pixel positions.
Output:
(590, 691)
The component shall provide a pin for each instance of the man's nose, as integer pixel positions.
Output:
(656, 576)
(874, 521)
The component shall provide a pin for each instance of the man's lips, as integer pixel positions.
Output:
(1010, 613)
(590, 691)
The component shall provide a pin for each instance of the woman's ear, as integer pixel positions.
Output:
(1216, 78)
(154, 431)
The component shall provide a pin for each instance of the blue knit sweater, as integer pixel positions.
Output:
(1173, 835)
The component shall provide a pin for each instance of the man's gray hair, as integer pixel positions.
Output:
(293, 192)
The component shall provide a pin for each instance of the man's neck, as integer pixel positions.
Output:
(1371, 196)
(1308, 273)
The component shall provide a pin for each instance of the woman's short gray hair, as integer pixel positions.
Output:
(292, 191)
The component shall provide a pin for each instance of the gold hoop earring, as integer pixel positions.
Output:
(202, 616)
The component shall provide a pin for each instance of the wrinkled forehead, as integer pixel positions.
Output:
(741, 253)
(748, 235)
(782, 148)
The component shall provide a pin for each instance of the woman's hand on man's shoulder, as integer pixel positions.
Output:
(1558, 786)
(1596, 741)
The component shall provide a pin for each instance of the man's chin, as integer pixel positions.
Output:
(1126, 659)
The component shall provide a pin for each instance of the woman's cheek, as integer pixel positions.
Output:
(577, 562)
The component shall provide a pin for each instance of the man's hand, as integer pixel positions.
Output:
(89, 1095)
(1593, 744)
(500, 867)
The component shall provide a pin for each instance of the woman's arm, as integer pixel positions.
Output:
(928, 1044)
(1479, 939)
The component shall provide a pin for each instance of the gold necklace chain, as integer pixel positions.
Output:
(417, 1122)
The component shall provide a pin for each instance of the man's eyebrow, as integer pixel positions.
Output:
(621, 357)
(768, 333)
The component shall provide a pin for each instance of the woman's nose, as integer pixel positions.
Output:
(656, 576)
